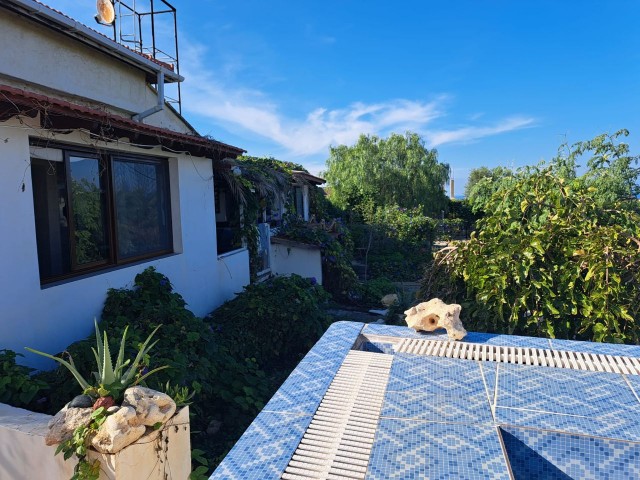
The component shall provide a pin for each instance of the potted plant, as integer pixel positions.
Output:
(113, 411)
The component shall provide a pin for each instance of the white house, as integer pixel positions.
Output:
(100, 177)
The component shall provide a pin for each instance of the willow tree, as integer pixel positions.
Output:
(398, 170)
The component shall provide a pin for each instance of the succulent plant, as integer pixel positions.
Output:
(111, 381)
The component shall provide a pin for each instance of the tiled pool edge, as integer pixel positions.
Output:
(267, 446)
(265, 449)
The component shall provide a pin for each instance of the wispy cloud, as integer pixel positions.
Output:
(467, 134)
(216, 96)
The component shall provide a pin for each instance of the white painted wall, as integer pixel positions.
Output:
(51, 318)
(287, 259)
(25, 456)
(38, 59)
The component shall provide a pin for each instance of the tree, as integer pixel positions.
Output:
(398, 170)
(482, 183)
(558, 254)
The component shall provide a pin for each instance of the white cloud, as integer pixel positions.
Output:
(214, 96)
(466, 134)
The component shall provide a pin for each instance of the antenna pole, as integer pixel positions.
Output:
(153, 30)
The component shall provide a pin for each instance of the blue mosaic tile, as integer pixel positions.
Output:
(338, 340)
(303, 390)
(595, 347)
(535, 454)
(435, 375)
(403, 332)
(438, 408)
(265, 448)
(507, 340)
(410, 449)
(565, 391)
(619, 425)
(634, 381)
(378, 347)
(489, 372)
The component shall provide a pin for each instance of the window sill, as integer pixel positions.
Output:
(231, 253)
(102, 271)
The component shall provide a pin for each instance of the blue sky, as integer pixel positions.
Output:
(484, 82)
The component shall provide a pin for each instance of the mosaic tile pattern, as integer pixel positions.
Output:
(410, 449)
(402, 332)
(435, 375)
(537, 454)
(564, 391)
(611, 425)
(378, 347)
(438, 408)
(437, 420)
(634, 381)
(490, 374)
(593, 347)
(506, 340)
(263, 451)
(302, 391)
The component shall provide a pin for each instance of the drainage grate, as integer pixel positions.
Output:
(521, 356)
(337, 444)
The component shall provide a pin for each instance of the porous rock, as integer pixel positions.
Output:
(434, 314)
(118, 431)
(389, 299)
(151, 406)
(62, 425)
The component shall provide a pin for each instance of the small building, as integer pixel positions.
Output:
(379, 402)
(101, 177)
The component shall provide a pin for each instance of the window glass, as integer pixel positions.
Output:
(52, 217)
(88, 202)
(95, 211)
(142, 211)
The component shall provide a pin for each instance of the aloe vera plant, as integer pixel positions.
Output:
(111, 380)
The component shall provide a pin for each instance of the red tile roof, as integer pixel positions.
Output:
(14, 101)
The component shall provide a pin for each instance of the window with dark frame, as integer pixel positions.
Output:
(93, 211)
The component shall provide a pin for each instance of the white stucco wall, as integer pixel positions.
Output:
(301, 260)
(25, 456)
(51, 318)
(38, 59)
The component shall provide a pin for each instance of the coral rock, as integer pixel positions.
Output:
(151, 406)
(389, 300)
(118, 431)
(62, 425)
(434, 314)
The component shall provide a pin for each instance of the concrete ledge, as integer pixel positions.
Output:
(162, 454)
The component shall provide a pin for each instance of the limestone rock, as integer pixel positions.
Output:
(150, 405)
(434, 314)
(113, 409)
(389, 300)
(118, 431)
(62, 425)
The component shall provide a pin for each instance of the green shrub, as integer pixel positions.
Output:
(408, 225)
(274, 321)
(336, 248)
(17, 387)
(557, 254)
(372, 291)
